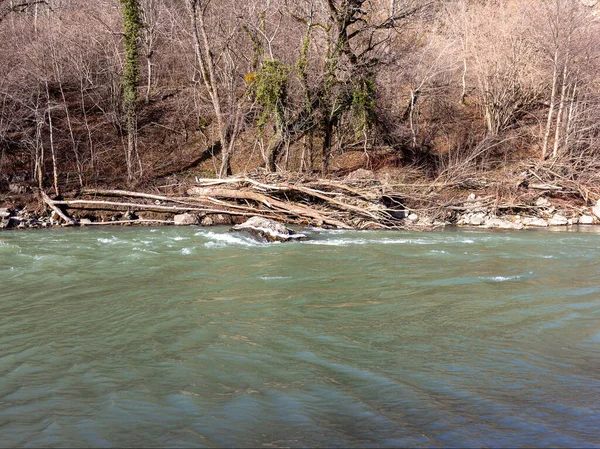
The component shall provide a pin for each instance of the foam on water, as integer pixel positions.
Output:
(179, 238)
(109, 241)
(144, 250)
(222, 240)
(349, 241)
(515, 277)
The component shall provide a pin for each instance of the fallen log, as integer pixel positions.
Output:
(545, 187)
(140, 220)
(293, 209)
(114, 205)
(325, 196)
(52, 205)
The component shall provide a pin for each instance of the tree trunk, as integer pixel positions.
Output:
(327, 133)
(131, 74)
(209, 77)
(561, 105)
(276, 144)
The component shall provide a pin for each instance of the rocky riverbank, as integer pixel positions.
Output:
(363, 200)
(474, 213)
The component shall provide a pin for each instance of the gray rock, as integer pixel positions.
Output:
(265, 230)
(4, 223)
(85, 222)
(558, 220)
(4, 213)
(502, 224)
(185, 219)
(586, 220)
(535, 222)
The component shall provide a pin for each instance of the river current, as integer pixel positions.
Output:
(192, 337)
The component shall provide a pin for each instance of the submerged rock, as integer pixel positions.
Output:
(266, 230)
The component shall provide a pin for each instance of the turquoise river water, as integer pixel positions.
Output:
(192, 337)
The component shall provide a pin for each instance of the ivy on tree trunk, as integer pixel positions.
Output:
(132, 26)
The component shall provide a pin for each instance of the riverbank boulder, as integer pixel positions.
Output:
(596, 209)
(185, 219)
(558, 220)
(535, 222)
(499, 223)
(267, 231)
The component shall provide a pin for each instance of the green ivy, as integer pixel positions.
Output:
(270, 87)
(132, 27)
(363, 102)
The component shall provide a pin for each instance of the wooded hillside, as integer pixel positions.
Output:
(131, 92)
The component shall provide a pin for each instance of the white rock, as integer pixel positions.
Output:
(586, 220)
(558, 220)
(477, 219)
(471, 197)
(413, 217)
(542, 202)
(596, 209)
(502, 224)
(4, 213)
(535, 222)
(185, 219)
(85, 222)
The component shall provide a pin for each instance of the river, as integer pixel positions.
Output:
(194, 337)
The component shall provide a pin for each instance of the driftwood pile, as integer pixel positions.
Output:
(362, 200)
(318, 202)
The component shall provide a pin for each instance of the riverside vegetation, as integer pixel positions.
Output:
(352, 114)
